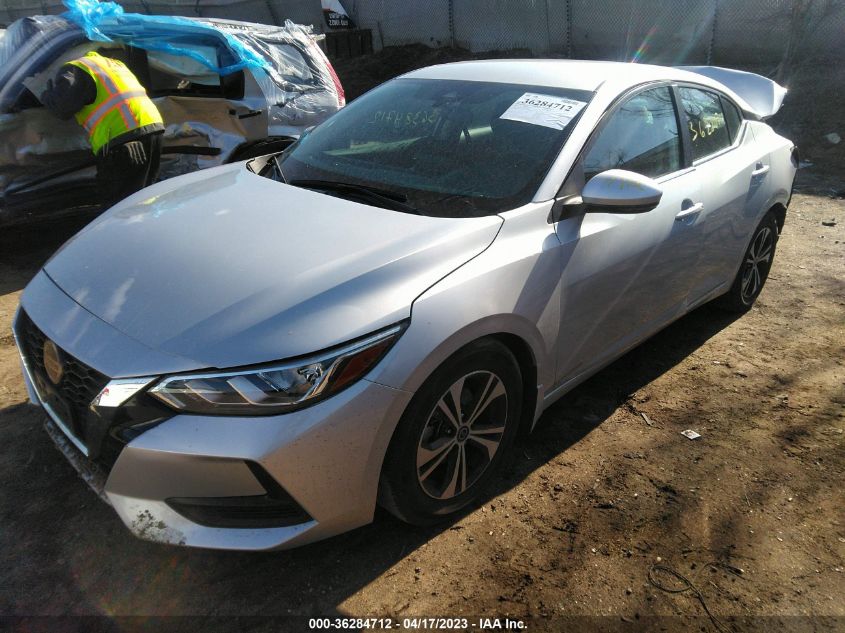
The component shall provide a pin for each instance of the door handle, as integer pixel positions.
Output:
(693, 209)
(760, 170)
(244, 114)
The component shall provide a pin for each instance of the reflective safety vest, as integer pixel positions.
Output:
(122, 104)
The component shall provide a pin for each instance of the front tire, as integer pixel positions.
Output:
(756, 264)
(454, 435)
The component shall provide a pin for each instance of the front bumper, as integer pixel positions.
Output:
(326, 457)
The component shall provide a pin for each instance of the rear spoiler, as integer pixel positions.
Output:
(762, 95)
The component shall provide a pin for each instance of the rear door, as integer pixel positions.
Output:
(733, 172)
(626, 275)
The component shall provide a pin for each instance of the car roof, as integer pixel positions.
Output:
(566, 73)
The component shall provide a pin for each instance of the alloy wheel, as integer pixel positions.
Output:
(758, 260)
(462, 434)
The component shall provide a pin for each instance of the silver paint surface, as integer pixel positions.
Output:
(246, 270)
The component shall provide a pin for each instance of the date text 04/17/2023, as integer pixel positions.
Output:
(418, 623)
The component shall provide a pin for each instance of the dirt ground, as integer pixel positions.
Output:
(751, 513)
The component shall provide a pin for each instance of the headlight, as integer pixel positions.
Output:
(276, 388)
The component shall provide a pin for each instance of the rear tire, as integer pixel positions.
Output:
(756, 264)
(441, 456)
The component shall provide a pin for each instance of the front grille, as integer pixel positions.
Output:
(79, 384)
(103, 431)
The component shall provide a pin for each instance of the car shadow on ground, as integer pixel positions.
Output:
(65, 551)
(586, 407)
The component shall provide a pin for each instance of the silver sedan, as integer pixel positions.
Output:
(256, 355)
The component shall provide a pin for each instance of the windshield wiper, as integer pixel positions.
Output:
(382, 197)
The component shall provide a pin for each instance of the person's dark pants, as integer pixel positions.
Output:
(123, 169)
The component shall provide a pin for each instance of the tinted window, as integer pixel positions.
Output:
(454, 148)
(706, 121)
(641, 136)
(733, 118)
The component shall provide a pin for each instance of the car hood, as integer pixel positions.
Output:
(228, 268)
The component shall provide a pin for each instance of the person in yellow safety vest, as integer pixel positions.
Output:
(124, 127)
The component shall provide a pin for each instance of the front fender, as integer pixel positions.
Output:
(512, 288)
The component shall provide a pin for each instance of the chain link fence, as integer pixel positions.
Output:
(661, 31)
(747, 32)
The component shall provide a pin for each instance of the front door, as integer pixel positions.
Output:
(626, 275)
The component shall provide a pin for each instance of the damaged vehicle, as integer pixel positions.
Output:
(227, 91)
(370, 316)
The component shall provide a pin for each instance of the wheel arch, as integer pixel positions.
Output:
(779, 211)
(520, 337)
(527, 363)
(405, 369)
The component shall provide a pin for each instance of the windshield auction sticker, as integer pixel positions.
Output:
(545, 110)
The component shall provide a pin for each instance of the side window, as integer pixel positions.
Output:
(290, 63)
(641, 136)
(180, 75)
(706, 121)
(733, 118)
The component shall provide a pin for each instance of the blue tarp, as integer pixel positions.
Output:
(106, 22)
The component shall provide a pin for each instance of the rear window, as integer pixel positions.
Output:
(706, 122)
(290, 63)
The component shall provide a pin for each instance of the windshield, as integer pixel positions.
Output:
(450, 148)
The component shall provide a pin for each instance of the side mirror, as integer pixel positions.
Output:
(621, 191)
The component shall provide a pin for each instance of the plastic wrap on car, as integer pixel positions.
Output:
(297, 97)
(26, 138)
(31, 143)
(193, 132)
(19, 31)
(295, 89)
(106, 22)
(26, 40)
(300, 87)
